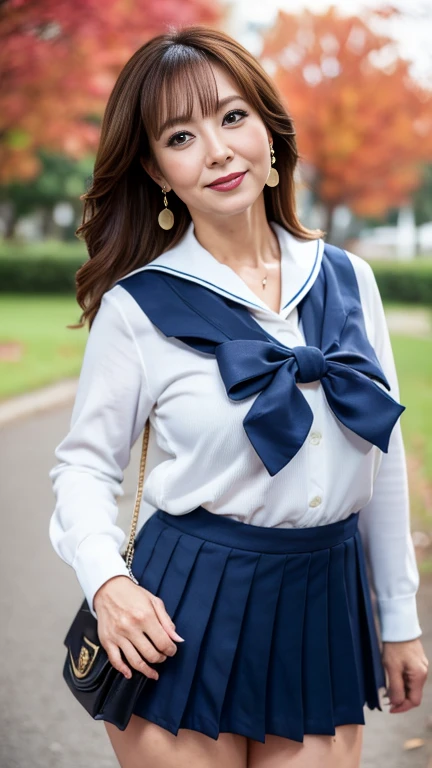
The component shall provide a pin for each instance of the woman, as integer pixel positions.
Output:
(263, 361)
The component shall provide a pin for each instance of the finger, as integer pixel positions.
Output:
(153, 628)
(164, 618)
(114, 656)
(404, 707)
(396, 686)
(145, 619)
(136, 661)
(414, 686)
(145, 647)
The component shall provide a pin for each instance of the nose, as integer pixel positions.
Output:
(217, 151)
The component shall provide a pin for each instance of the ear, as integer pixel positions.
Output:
(153, 172)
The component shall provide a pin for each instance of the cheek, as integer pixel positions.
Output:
(255, 147)
(184, 169)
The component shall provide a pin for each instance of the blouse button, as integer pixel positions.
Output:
(315, 438)
(315, 502)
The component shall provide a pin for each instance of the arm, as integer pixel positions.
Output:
(110, 411)
(384, 523)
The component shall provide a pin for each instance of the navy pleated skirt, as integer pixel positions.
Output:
(278, 626)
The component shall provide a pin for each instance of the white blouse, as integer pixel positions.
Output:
(199, 452)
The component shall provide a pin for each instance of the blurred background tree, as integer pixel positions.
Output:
(364, 124)
(58, 63)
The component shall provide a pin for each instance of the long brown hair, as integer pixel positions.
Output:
(121, 206)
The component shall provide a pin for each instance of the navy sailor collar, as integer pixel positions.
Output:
(300, 266)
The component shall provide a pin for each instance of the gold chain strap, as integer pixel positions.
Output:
(128, 555)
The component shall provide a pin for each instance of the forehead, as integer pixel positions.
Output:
(186, 90)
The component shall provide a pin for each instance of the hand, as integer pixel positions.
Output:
(124, 612)
(407, 668)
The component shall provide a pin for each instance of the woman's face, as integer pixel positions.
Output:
(192, 155)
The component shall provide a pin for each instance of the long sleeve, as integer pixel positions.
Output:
(110, 410)
(384, 523)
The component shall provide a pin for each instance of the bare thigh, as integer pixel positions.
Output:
(340, 751)
(144, 745)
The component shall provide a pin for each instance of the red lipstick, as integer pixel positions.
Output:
(225, 183)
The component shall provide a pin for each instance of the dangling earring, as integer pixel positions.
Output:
(273, 177)
(166, 217)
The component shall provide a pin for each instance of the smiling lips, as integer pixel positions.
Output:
(225, 183)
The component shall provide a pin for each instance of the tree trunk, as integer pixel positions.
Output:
(10, 219)
(328, 224)
(46, 222)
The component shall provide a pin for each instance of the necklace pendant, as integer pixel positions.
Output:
(264, 281)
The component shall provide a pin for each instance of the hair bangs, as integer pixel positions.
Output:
(182, 77)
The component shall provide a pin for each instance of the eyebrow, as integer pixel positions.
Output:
(180, 118)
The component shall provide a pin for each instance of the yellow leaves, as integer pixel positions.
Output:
(413, 743)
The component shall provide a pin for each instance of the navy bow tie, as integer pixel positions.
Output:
(279, 420)
(251, 361)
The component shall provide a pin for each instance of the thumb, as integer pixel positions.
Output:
(165, 619)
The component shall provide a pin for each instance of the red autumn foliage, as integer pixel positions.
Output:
(58, 63)
(364, 126)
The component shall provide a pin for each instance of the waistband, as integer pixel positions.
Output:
(257, 538)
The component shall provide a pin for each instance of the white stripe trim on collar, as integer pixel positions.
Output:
(300, 265)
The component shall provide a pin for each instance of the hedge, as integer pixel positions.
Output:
(29, 274)
(405, 282)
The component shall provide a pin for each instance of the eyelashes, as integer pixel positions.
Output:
(172, 140)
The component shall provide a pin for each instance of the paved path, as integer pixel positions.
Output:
(41, 726)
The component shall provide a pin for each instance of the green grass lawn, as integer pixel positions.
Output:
(414, 366)
(47, 351)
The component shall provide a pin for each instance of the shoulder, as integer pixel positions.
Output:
(120, 314)
(369, 292)
(362, 268)
(370, 297)
(365, 277)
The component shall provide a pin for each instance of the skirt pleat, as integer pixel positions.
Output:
(284, 705)
(317, 693)
(278, 626)
(375, 677)
(346, 674)
(214, 664)
(245, 701)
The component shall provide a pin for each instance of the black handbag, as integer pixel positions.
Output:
(102, 690)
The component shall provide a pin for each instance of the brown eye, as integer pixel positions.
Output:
(172, 141)
(240, 112)
(176, 135)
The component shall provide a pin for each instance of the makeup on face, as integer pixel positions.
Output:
(226, 183)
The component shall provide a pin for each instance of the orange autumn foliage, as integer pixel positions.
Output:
(58, 63)
(364, 126)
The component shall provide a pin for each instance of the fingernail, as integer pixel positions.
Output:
(177, 637)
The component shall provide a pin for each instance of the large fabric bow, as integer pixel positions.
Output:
(280, 418)
(251, 361)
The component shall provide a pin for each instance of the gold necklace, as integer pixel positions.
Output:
(264, 280)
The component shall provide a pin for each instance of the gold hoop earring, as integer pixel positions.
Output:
(273, 177)
(166, 217)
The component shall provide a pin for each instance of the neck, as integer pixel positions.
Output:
(243, 241)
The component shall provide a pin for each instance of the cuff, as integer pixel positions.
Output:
(398, 619)
(97, 560)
